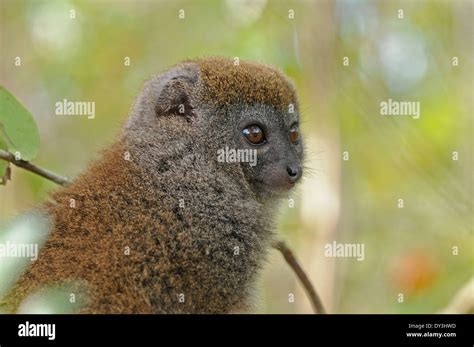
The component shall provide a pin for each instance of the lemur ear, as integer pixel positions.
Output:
(175, 97)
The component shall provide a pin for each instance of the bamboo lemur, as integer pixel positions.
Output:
(158, 225)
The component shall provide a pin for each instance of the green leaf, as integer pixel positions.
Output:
(18, 130)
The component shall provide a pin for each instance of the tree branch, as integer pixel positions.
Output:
(281, 246)
(316, 302)
(33, 168)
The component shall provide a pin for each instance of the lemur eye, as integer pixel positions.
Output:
(254, 134)
(294, 134)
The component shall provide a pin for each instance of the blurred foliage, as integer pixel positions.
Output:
(408, 250)
(28, 229)
(18, 131)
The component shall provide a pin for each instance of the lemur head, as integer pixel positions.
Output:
(229, 109)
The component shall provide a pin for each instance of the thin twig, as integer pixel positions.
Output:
(281, 246)
(33, 168)
(316, 302)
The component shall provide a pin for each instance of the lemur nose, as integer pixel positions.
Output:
(294, 172)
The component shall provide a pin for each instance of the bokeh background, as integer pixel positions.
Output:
(408, 250)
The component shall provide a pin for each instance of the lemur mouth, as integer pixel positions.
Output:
(274, 188)
(286, 186)
(277, 182)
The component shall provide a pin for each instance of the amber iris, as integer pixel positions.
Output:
(294, 134)
(254, 134)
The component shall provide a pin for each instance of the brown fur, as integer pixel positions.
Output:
(227, 83)
(136, 203)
